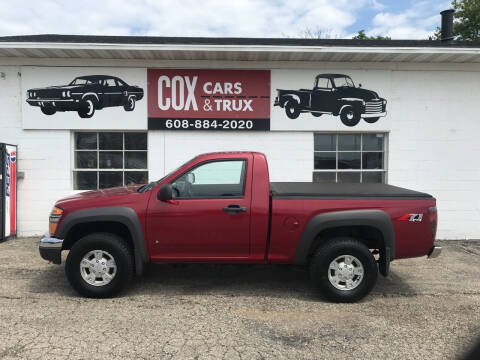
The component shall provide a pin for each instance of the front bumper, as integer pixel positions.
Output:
(53, 102)
(369, 115)
(434, 252)
(51, 249)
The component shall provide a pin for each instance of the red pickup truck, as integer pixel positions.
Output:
(222, 208)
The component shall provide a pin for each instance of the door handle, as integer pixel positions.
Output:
(234, 209)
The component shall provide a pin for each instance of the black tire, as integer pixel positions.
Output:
(87, 108)
(316, 114)
(349, 116)
(292, 109)
(48, 110)
(112, 244)
(371, 120)
(334, 249)
(130, 105)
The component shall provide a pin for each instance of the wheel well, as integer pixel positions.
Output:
(91, 96)
(287, 98)
(368, 235)
(80, 230)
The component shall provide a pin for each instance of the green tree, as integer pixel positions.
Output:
(362, 36)
(466, 25)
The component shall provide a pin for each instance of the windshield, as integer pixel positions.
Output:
(152, 184)
(84, 81)
(344, 81)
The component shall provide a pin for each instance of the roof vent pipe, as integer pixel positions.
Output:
(447, 25)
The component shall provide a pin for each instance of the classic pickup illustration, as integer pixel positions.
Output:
(333, 94)
(85, 94)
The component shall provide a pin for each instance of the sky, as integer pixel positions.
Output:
(399, 19)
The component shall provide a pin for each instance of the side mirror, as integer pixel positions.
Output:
(359, 85)
(165, 193)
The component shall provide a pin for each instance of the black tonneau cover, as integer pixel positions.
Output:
(342, 191)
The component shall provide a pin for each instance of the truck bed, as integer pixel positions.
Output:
(342, 191)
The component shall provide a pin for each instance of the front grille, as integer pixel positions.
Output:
(49, 94)
(373, 107)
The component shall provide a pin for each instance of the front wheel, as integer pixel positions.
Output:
(344, 270)
(48, 110)
(99, 265)
(349, 116)
(316, 114)
(87, 108)
(371, 120)
(130, 105)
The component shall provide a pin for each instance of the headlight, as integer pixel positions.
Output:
(384, 102)
(69, 93)
(64, 93)
(53, 220)
(34, 94)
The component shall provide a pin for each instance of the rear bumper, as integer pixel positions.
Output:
(51, 249)
(434, 252)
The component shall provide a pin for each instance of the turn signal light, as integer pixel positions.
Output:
(53, 220)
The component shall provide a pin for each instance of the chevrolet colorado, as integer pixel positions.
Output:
(222, 208)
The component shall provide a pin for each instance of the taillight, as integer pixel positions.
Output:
(53, 220)
(433, 219)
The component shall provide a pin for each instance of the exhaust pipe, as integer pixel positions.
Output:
(447, 25)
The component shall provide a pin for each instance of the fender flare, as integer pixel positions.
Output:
(120, 214)
(287, 97)
(343, 102)
(377, 219)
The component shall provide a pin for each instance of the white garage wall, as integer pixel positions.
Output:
(43, 156)
(433, 147)
(434, 144)
(290, 155)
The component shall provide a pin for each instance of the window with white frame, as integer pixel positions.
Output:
(350, 157)
(109, 159)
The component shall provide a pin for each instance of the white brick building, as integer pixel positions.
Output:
(427, 141)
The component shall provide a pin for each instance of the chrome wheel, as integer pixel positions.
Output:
(345, 272)
(98, 267)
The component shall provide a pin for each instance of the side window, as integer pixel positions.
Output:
(323, 83)
(109, 82)
(212, 180)
(120, 82)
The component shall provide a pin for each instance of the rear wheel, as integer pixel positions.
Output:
(99, 265)
(344, 270)
(292, 109)
(130, 105)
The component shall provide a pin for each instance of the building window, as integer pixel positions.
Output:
(109, 159)
(350, 158)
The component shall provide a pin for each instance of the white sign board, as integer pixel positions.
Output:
(330, 100)
(84, 98)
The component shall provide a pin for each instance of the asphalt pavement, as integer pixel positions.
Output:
(425, 309)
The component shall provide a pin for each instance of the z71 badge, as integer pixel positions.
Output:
(411, 217)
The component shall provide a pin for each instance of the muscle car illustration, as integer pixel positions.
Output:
(85, 94)
(333, 94)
